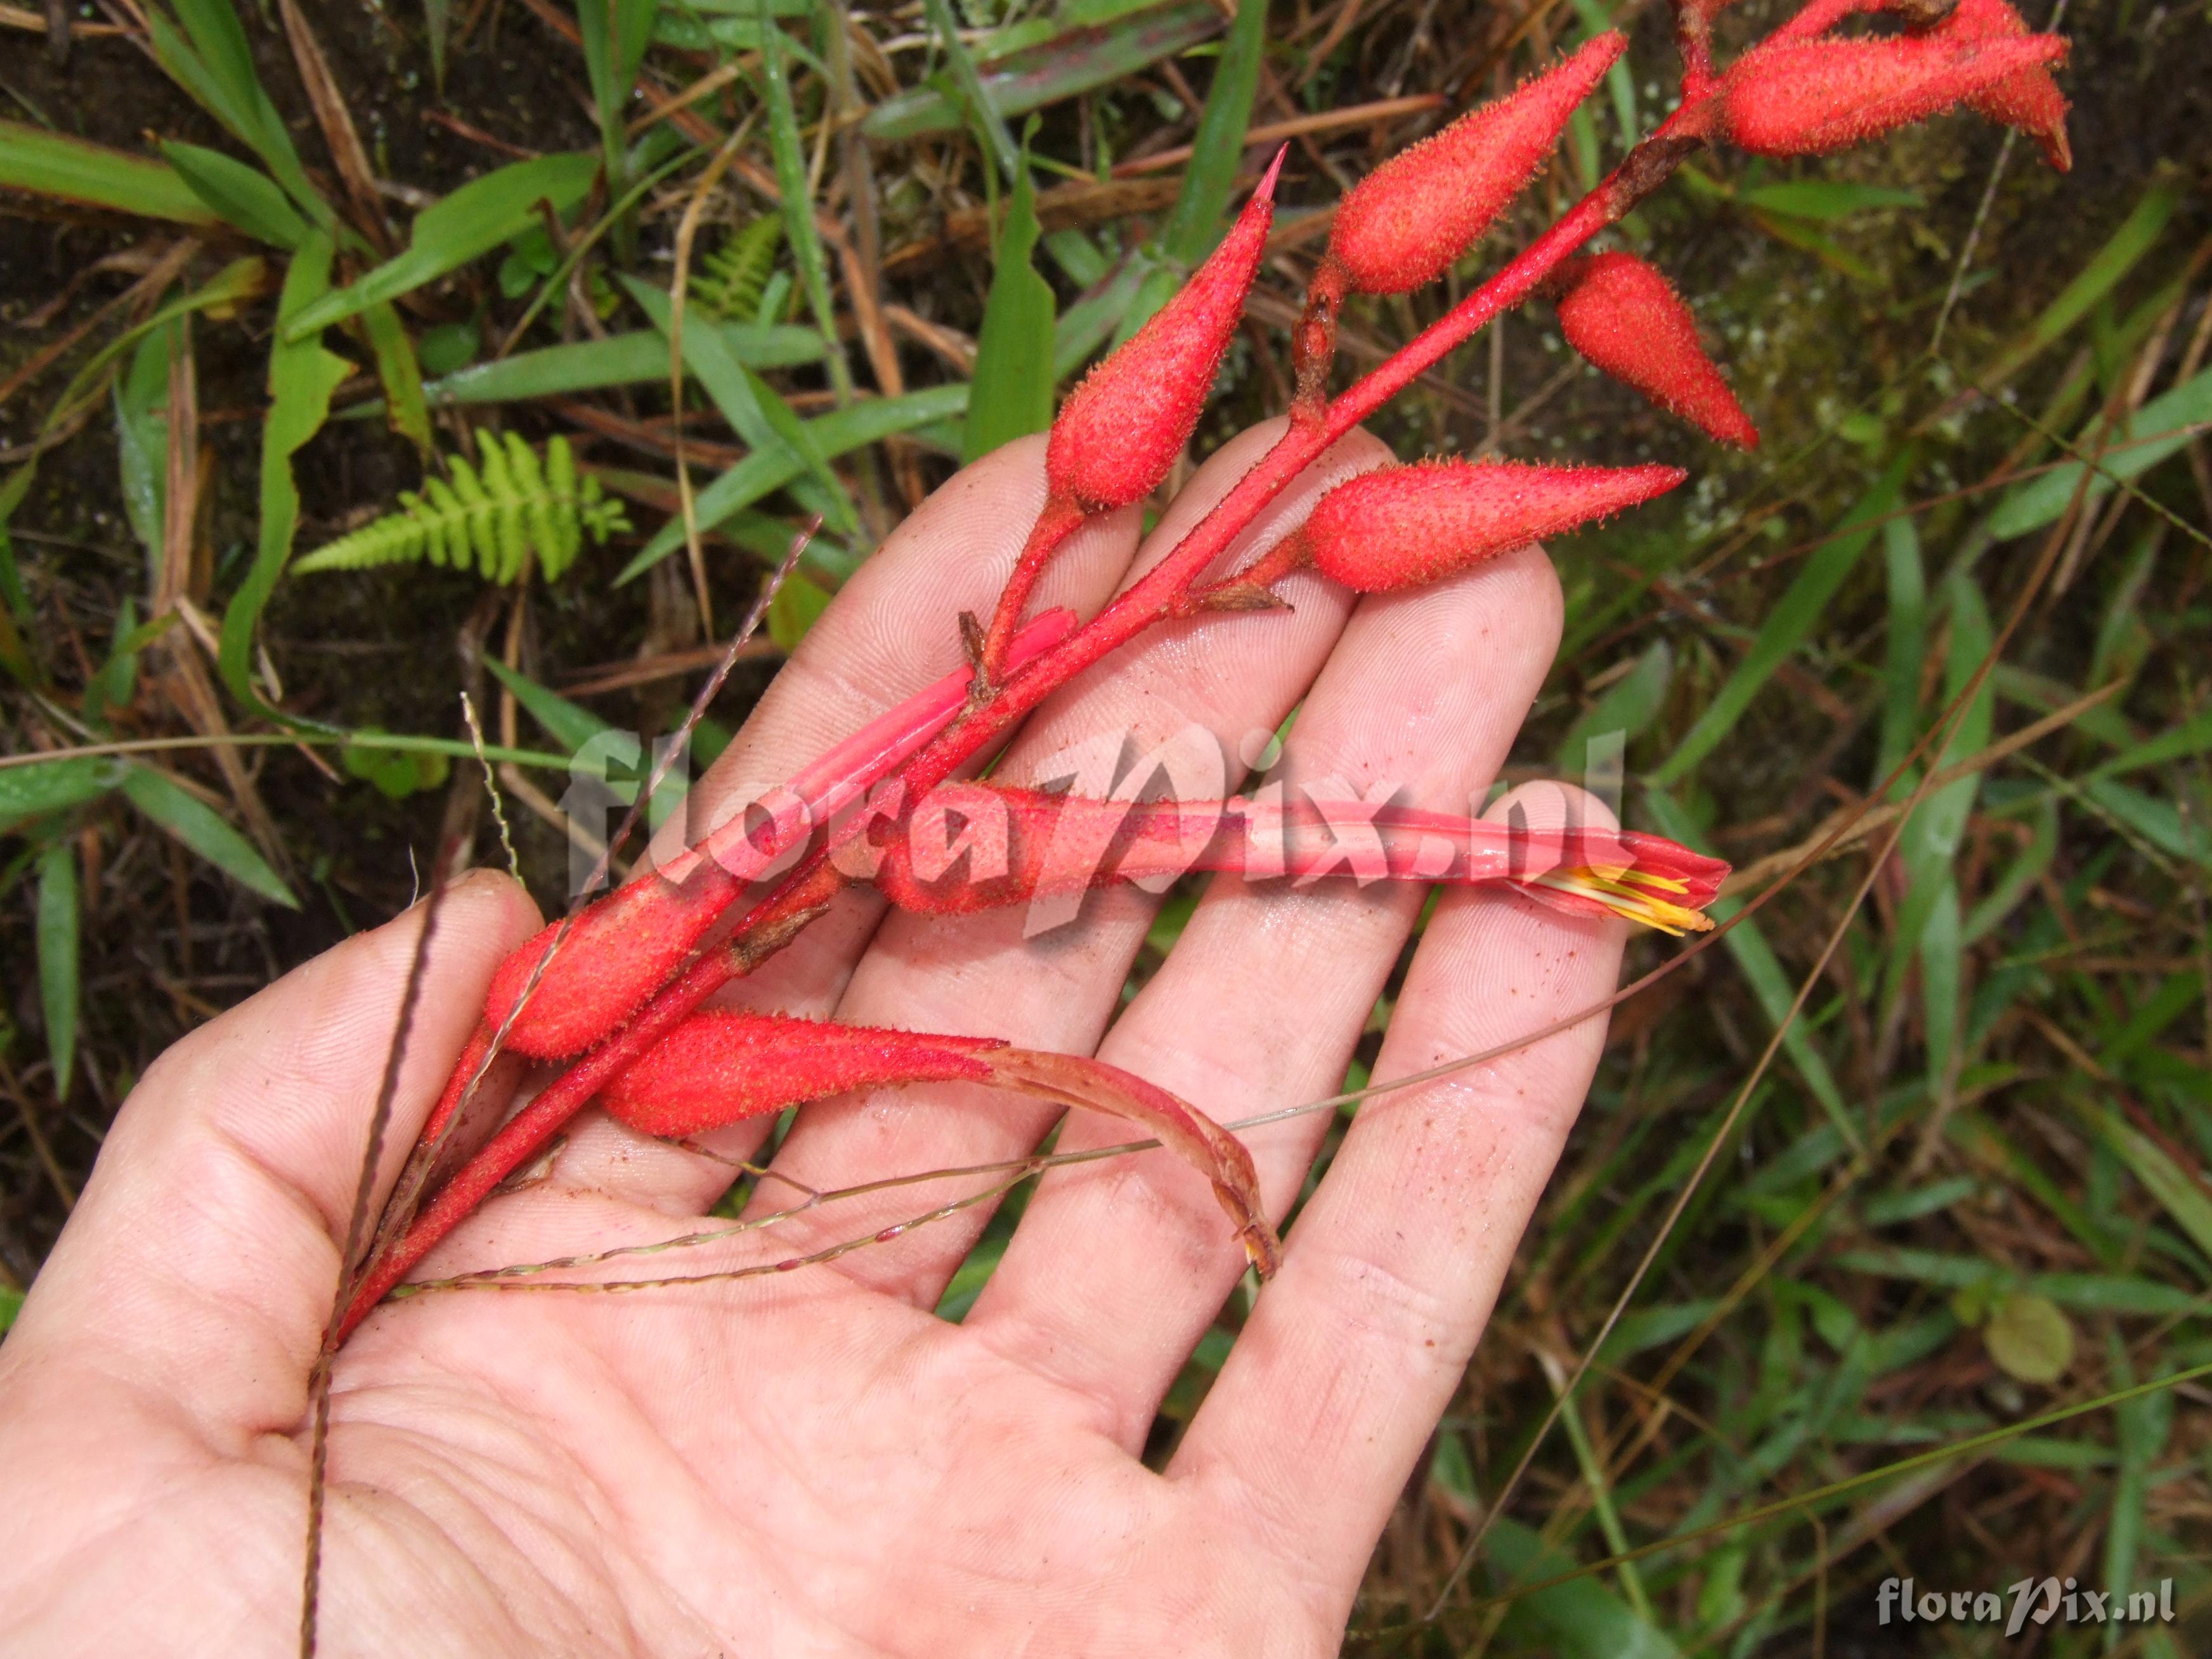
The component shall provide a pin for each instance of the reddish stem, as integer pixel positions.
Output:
(1061, 519)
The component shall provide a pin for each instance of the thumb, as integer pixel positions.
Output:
(201, 1260)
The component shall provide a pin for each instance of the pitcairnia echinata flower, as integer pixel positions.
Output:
(616, 992)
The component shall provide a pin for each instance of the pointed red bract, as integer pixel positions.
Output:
(1626, 319)
(1120, 432)
(1418, 211)
(2028, 98)
(1812, 98)
(719, 1068)
(1404, 526)
(616, 953)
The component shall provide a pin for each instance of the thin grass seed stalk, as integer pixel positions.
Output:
(627, 1008)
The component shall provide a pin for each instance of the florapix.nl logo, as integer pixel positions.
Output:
(2030, 1602)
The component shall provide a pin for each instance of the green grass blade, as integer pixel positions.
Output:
(2138, 233)
(202, 828)
(1908, 642)
(239, 194)
(976, 101)
(753, 408)
(2160, 427)
(47, 164)
(465, 224)
(791, 182)
(1826, 201)
(1800, 609)
(568, 724)
(1201, 209)
(437, 26)
(1013, 379)
(393, 349)
(53, 786)
(867, 422)
(303, 375)
(213, 60)
(1762, 971)
(1628, 708)
(637, 358)
(1073, 61)
(59, 986)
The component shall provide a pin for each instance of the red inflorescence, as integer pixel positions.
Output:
(1409, 525)
(617, 953)
(719, 1068)
(1120, 432)
(1415, 215)
(1811, 98)
(2027, 98)
(1626, 319)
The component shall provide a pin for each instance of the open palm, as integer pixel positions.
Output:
(814, 1461)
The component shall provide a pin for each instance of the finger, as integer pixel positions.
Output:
(1352, 1353)
(1118, 1267)
(892, 629)
(978, 975)
(202, 1259)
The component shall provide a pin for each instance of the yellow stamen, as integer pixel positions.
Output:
(1622, 890)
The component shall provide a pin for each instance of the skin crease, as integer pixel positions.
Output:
(812, 1463)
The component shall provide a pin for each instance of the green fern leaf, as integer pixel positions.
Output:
(730, 281)
(494, 515)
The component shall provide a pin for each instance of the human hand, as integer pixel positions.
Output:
(814, 1461)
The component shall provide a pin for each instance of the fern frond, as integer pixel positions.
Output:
(730, 282)
(494, 515)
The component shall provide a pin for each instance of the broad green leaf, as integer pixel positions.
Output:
(2029, 1338)
(2160, 427)
(1793, 619)
(1012, 395)
(461, 226)
(393, 348)
(639, 358)
(868, 421)
(59, 988)
(241, 195)
(1826, 200)
(1074, 62)
(47, 164)
(1581, 1619)
(142, 435)
(202, 829)
(303, 375)
(27, 790)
